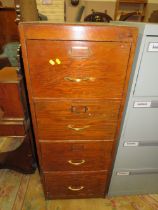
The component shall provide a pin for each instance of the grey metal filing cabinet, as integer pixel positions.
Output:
(136, 165)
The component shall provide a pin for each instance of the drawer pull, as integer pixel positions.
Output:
(76, 163)
(84, 79)
(75, 189)
(78, 129)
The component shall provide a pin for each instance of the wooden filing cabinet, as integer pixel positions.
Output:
(77, 78)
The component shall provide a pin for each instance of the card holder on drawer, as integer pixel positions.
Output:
(79, 52)
(76, 155)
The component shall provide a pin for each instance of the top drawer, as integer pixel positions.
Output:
(77, 69)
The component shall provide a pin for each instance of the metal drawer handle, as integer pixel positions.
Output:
(76, 189)
(78, 129)
(76, 163)
(84, 79)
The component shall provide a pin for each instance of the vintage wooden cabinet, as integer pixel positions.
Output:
(77, 78)
(16, 137)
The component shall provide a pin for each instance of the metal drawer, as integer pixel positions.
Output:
(126, 182)
(142, 125)
(137, 155)
(147, 79)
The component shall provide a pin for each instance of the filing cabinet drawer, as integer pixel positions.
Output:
(76, 129)
(142, 125)
(138, 182)
(12, 128)
(147, 78)
(76, 155)
(75, 184)
(77, 69)
(10, 103)
(77, 109)
(144, 155)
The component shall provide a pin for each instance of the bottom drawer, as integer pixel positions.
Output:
(75, 184)
(125, 182)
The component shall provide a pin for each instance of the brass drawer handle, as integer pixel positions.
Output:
(75, 189)
(78, 129)
(84, 79)
(76, 163)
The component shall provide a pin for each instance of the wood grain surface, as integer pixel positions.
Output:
(76, 155)
(77, 79)
(75, 185)
(103, 68)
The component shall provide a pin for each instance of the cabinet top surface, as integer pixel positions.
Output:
(81, 31)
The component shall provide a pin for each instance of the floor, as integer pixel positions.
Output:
(24, 192)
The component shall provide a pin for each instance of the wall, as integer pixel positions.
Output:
(97, 5)
(101, 5)
(7, 3)
(72, 11)
(54, 11)
(153, 5)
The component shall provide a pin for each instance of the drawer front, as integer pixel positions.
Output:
(136, 183)
(77, 109)
(142, 125)
(76, 156)
(75, 184)
(138, 157)
(10, 104)
(147, 78)
(79, 130)
(12, 129)
(77, 69)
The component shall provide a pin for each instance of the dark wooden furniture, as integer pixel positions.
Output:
(77, 78)
(8, 32)
(9, 18)
(16, 138)
(9, 29)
